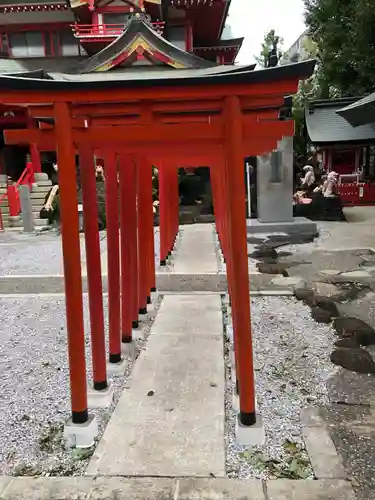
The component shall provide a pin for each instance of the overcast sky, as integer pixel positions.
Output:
(253, 18)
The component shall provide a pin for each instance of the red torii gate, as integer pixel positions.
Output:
(218, 121)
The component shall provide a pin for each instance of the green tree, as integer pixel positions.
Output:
(344, 33)
(271, 41)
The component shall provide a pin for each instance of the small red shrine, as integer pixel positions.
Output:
(343, 148)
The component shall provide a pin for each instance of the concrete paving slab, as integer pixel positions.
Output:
(51, 488)
(170, 422)
(220, 489)
(120, 488)
(326, 462)
(285, 489)
(352, 428)
(189, 315)
(196, 252)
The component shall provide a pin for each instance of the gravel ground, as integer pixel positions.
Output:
(41, 253)
(35, 402)
(292, 367)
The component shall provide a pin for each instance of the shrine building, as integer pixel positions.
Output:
(48, 38)
(344, 147)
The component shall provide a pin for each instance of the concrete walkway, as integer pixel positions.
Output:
(196, 251)
(171, 420)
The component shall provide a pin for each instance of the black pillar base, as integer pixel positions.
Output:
(135, 324)
(163, 262)
(100, 386)
(115, 358)
(126, 340)
(148, 300)
(142, 310)
(248, 419)
(80, 417)
(153, 289)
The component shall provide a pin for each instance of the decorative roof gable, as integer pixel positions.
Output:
(140, 40)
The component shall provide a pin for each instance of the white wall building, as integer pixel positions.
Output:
(298, 51)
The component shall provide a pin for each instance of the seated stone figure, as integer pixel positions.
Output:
(308, 181)
(330, 185)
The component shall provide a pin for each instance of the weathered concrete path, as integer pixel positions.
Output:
(171, 420)
(196, 251)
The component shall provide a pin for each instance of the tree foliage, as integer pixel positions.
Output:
(344, 33)
(271, 41)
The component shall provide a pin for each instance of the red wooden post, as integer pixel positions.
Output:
(128, 234)
(163, 213)
(142, 237)
(151, 234)
(72, 262)
(176, 204)
(169, 201)
(35, 158)
(13, 200)
(236, 210)
(149, 222)
(133, 207)
(112, 212)
(94, 274)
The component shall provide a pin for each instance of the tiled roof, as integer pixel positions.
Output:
(169, 78)
(325, 125)
(361, 112)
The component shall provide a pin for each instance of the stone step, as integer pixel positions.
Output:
(37, 207)
(37, 222)
(38, 195)
(44, 183)
(40, 189)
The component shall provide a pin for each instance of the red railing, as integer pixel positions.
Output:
(95, 32)
(27, 177)
(352, 194)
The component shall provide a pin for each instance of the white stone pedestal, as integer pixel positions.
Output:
(116, 368)
(100, 399)
(250, 436)
(80, 435)
(128, 350)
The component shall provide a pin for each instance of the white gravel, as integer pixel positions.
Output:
(41, 253)
(35, 400)
(292, 366)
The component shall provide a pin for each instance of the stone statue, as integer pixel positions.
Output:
(330, 184)
(309, 178)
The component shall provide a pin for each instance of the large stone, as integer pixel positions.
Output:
(328, 290)
(264, 252)
(330, 272)
(348, 343)
(306, 295)
(321, 315)
(358, 273)
(267, 268)
(327, 304)
(287, 281)
(355, 359)
(354, 327)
